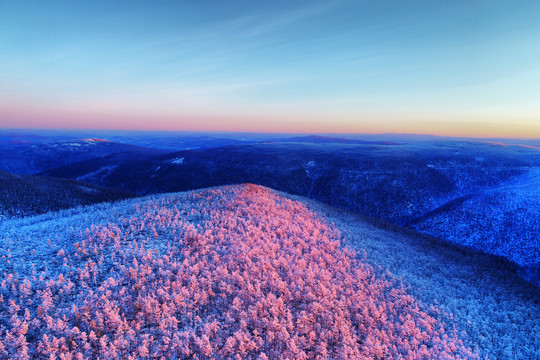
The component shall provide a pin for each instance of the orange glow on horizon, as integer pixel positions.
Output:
(462, 126)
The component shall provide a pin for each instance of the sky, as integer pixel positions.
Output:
(457, 68)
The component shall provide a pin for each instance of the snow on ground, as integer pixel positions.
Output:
(176, 161)
(97, 172)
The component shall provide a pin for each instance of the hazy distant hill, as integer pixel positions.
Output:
(31, 158)
(26, 195)
(316, 139)
(172, 142)
(245, 271)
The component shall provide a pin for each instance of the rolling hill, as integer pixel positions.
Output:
(245, 271)
(317, 139)
(32, 158)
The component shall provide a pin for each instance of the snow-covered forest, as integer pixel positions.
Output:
(226, 273)
(28, 195)
(479, 194)
(229, 272)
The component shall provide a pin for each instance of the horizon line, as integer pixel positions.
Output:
(260, 132)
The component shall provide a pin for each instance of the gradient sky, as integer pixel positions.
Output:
(442, 67)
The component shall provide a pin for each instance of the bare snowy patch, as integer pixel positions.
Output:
(177, 161)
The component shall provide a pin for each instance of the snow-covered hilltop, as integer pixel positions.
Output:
(234, 271)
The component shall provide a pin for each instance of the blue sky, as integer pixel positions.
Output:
(442, 67)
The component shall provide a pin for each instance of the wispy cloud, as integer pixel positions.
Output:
(270, 23)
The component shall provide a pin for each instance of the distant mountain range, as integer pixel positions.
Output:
(316, 139)
(31, 155)
(31, 158)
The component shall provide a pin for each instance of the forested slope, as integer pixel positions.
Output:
(215, 274)
(242, 271)
(488, 300)
(27, 195)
